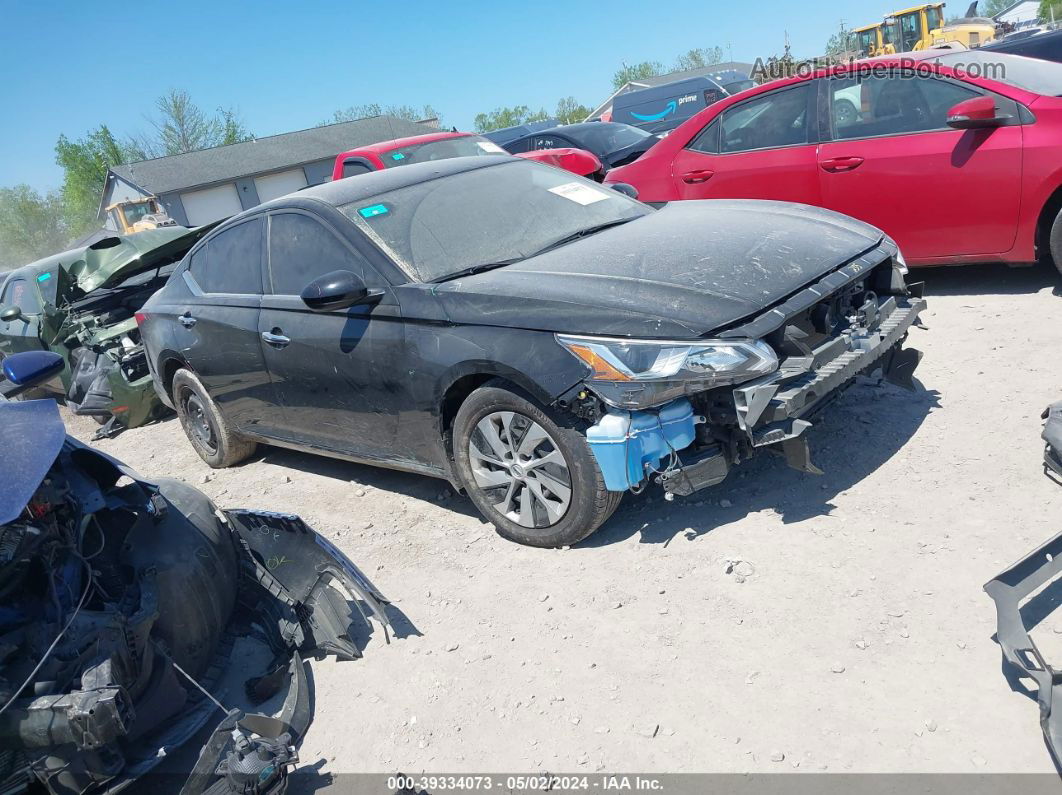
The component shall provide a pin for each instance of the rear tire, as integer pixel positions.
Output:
(1056, 242)
(528, 470)
(210, 435)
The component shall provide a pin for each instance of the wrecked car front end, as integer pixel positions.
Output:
(90, 319)
(682, 413)
(121, 604)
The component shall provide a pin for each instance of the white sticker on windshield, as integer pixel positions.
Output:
(490, 146)
(579, 193)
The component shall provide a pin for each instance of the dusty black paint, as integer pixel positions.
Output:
(369, 383)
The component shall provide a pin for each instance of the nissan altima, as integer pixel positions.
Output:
(542, 342)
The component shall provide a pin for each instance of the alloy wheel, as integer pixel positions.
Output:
(520, 468)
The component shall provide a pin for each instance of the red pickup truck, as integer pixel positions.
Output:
(443, 145)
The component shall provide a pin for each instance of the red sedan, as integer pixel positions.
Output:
(957, 155)
(444, 145)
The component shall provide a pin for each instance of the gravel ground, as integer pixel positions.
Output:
(776, 621)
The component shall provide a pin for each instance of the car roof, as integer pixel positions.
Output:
(401, 143)
(364, 186)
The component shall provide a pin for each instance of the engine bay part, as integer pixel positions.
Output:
(120, 602)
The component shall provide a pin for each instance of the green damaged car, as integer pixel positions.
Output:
(82, 305)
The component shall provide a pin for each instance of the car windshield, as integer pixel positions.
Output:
(1031, 74)
(607, 136)
(478, 218)
(462, 146)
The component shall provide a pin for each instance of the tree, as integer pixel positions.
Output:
(698, 58)
(638, 71)
(507, 117)
(355, 112)
(85, 163)
(1046, 8)
(181, 126)
(989, 8)
(569, 111)
(837, 45)
(31, 226)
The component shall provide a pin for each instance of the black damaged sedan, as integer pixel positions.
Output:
(542, 342)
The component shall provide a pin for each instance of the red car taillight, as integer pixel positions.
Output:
(140, 318)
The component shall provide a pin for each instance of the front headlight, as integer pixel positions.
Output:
(640, 373)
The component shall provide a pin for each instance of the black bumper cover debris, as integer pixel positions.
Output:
(1052, 437)
(1021, 656)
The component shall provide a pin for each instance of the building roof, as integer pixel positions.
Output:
(270, 153)
(670, 77)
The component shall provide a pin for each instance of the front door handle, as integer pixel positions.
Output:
(187, 320)
(696, 177)
(837, 164)
(275, 339)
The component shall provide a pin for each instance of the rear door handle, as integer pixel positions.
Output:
(837, 164)
(187, 320)
(274, 339)
(695, 177)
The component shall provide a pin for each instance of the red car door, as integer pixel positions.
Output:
(893, 162)
(763, 148)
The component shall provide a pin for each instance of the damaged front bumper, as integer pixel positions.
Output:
(770, 412)
(1022, 658)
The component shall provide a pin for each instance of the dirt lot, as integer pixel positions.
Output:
(853, 635)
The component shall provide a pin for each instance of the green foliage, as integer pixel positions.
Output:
(31, 226)
(182, 126)
(636, 72)
(698, 58)
(989, 8)
(85, 163)
(407, 112)
(1046, 7)
(838, 44)
(570, 112)
(507, 117)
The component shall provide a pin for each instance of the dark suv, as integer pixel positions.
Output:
(540, 341)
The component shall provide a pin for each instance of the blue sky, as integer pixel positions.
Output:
(68, 67)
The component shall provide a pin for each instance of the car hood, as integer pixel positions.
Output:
(114, 259)
(686, 270)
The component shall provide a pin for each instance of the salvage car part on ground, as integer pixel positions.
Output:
(542, 342)
(1017, 614)
(121, 601)
(81, 304)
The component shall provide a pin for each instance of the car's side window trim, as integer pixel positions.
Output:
(811, 130)
(189, 276)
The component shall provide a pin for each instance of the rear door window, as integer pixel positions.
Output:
(776, 119)
(301, 248)
(231, 261)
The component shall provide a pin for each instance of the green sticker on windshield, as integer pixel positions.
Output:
(373, 211)
(44, 277)
(398, 156)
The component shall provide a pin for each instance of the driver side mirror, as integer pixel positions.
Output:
(9, 314)
(625, 188)
(338, 290)
(975, 114)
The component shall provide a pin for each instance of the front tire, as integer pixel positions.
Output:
(529, 472)
(210, 435)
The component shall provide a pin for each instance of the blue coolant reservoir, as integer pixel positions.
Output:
(625, 442)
